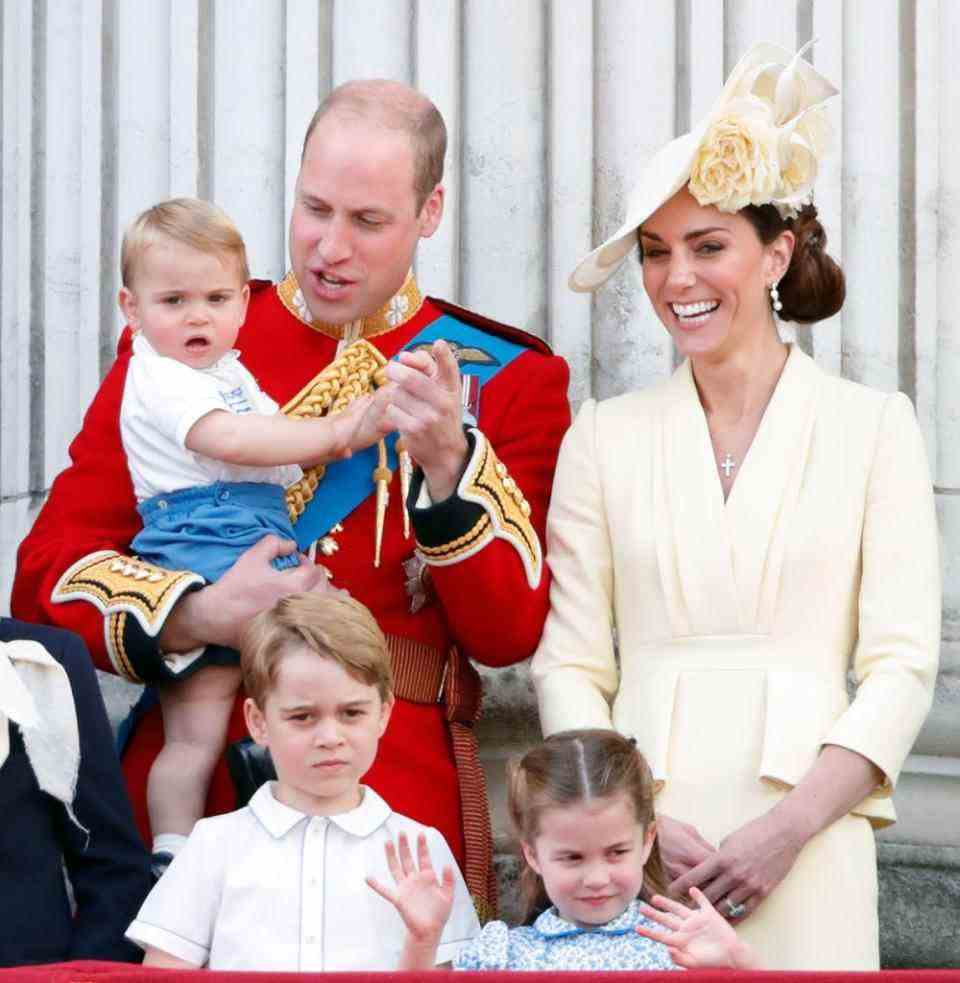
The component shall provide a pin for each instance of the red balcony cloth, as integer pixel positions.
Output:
(104, 972)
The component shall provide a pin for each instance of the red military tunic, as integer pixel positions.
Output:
(483, 602)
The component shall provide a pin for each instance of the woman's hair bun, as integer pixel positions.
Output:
(813, 288)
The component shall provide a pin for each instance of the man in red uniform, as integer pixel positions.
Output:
(470, 582)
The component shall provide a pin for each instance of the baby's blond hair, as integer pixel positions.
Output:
(201, 225)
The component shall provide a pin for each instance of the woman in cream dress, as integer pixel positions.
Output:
(754, 530)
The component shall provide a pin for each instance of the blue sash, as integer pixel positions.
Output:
(347, 484)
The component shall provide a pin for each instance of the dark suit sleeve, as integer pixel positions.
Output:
(108, 866)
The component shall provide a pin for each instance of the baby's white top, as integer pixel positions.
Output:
(163, 399)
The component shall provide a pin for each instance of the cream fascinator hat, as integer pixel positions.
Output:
(760, 144)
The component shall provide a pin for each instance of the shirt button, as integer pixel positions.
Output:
(311, 940)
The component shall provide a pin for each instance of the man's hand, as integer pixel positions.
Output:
(681, 847)
(750, 863)
(425, 408)
(219, 613)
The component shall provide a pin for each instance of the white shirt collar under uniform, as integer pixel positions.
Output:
(269, 888)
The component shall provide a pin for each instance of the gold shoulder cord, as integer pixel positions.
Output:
(358, 371)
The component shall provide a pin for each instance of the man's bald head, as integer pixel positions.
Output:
(394, 106)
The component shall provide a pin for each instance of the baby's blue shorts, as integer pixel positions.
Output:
(205, 529)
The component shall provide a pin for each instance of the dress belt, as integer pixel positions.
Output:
(736, 652)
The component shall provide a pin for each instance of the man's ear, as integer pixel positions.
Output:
(530, 855)
(256, 725)
(432, 212)
(128, 305)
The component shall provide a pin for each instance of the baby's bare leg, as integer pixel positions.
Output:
(196, 712)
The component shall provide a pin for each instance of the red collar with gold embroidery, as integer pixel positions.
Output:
(399, 309)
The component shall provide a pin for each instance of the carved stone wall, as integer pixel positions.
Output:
(110, 105)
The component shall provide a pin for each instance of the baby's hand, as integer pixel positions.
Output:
(361, 424)
(423, 901)
(697, 937)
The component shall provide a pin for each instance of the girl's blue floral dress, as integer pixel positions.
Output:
(553, 943)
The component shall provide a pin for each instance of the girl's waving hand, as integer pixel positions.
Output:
(696, 937)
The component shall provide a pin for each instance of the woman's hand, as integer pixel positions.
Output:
(423, 901)
(682, 848)
(696, 937)
(749, 864)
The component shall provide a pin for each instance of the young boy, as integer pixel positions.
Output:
(281, 883)
(209, 457)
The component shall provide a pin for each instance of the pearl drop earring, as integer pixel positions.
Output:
(775, 297)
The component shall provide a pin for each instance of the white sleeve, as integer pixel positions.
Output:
(170, 395)
(898, 648)
(463, 924)
(181, 911)
(574, 669)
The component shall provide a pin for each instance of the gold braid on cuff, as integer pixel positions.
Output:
(119, 586)
(487, 483)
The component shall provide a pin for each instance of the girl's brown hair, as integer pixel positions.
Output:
(568, 768)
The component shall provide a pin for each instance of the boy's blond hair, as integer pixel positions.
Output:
(334, 626)
(201, 225)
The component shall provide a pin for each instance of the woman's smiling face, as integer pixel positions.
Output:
(708, 275)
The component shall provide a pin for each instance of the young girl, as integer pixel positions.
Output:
(209, 455)
(582, 807)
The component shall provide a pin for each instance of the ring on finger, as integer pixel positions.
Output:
(735, 910)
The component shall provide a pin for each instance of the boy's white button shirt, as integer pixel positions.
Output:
(163, 399)
(269, 888)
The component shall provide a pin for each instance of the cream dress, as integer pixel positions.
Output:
(738, 622)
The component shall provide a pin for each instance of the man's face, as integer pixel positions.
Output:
(355, 224)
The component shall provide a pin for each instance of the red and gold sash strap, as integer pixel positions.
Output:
(422, 674)
(477, 835)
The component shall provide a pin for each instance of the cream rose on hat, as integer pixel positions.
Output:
(736, 165)
(760, 144)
